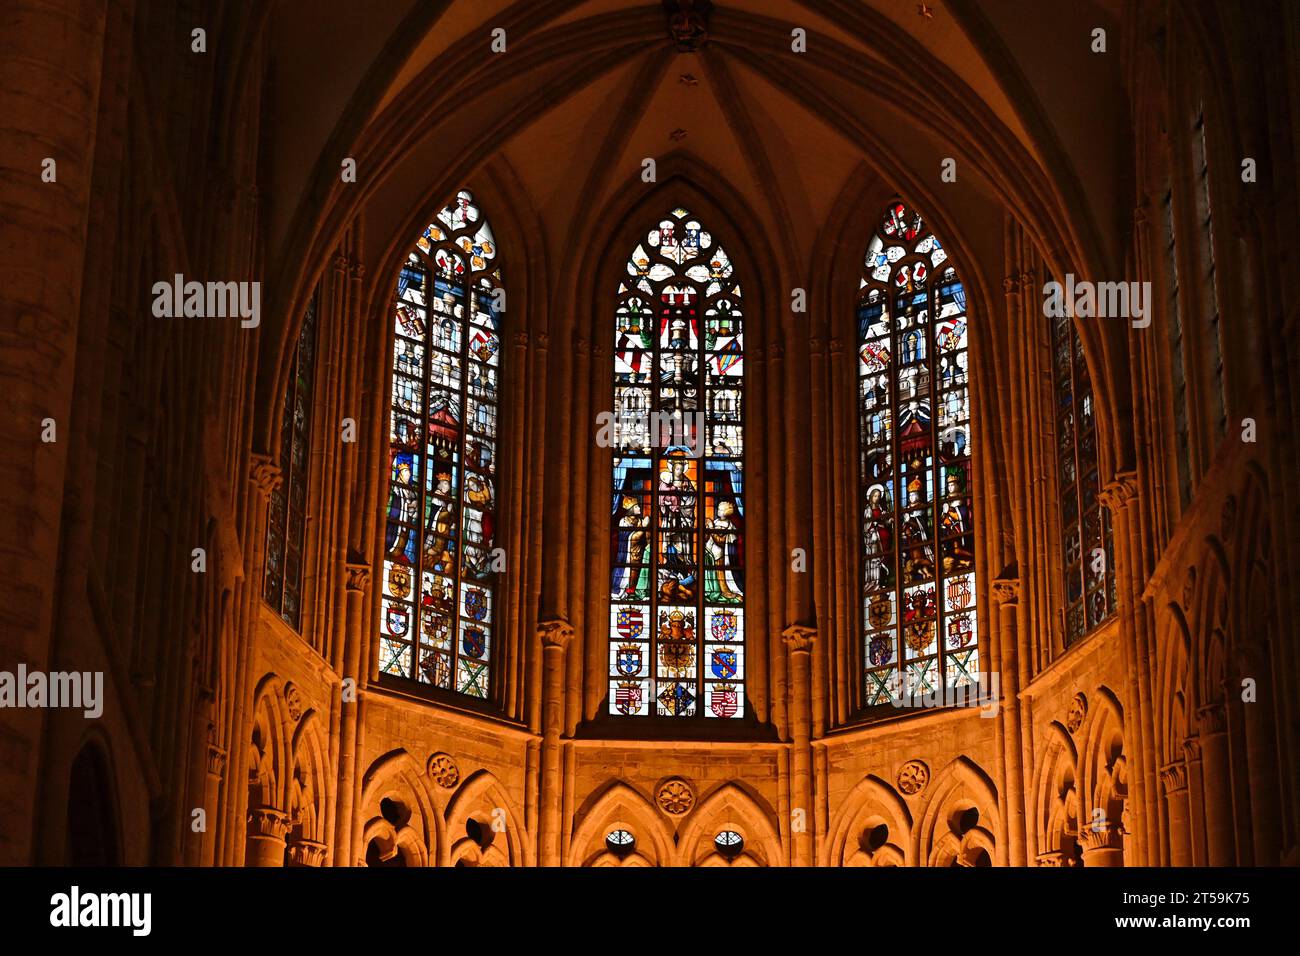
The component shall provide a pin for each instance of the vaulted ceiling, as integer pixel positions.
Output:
(886, 90)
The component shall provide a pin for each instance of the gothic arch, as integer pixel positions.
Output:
(93, 836)
(310, 792)
(959, 824)
(269, 746)
(472, 817)
(619, 805)
(730, 807)
(856, 838)
(1104, 811)
(1056, 799)
(401, 818)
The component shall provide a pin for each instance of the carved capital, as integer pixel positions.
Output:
(1212, 718)
(268, 822)
(1012, 284)
(1173, 777)
(1192, 749)
(776, 351)
(1120, 491)
(836, 346)
(1006, 591)
(1053, 859)
(306, 853)
(542, 340)
(1101, 836)
(265, 475)
(520, 340)
(799, 638)
(340, 263)
(815, 346)
(358, 577)
(216, 761)
(555, 633)
(358, 271)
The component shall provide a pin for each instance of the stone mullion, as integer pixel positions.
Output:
(593, 627)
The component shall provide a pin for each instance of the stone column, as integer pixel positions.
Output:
(266, 831)
(1219, 820)
(356, 584)
(1195, 799)
(1173, 778)
(555, 636)
(1261, 753)
(1006, 595)
(799, 640)
(216, 771)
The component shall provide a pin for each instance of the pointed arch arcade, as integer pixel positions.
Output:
(439, 616)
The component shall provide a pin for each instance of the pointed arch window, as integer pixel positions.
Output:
(677, 588)
(1087, 548)
(915, 446)
(286, 518)
(439, 616)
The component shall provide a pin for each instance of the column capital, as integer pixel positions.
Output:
(216, 761)
(1006, 590)
(1173, 777)
(1119, 492)
(306, 853)
(265, 475)
(1212, 718)
(268, 822)
(1103, 836)
(799, 638)
(357, 576)
(555, 632)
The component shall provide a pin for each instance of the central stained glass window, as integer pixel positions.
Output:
(677, 583)
(915, 443)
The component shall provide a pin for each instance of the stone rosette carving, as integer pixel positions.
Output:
(1077, 714)
(293, 701)
(675, 797)
(443, 770)
(913, 777)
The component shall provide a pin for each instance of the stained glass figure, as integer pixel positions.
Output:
(439, 620)
(915, 444)
(677, 585)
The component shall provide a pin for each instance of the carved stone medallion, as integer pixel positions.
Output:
(443, 771)
(913, 777)
(1078, 711)
(675, 797)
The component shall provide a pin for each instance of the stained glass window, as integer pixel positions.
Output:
(1209, 274)
(915, 444)
(439, 616)
(286, 519)
(677, 589)
(1177, 369)
(1087, 552)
